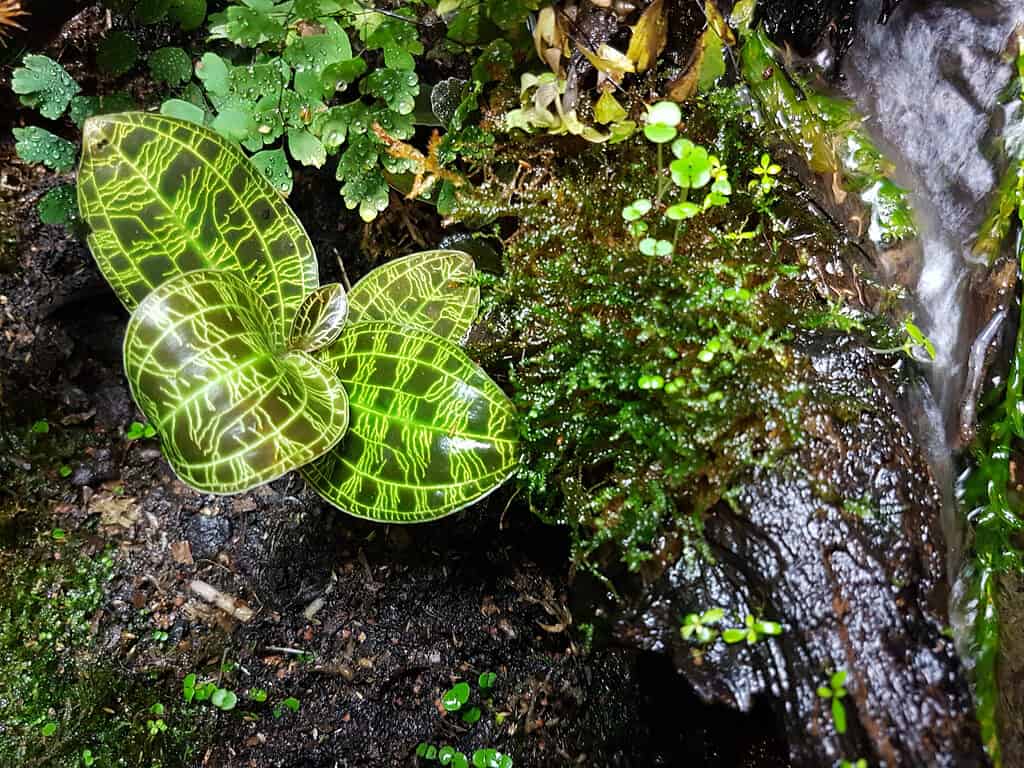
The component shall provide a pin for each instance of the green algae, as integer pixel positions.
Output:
(61, 692)
(828, 134)
(647, 388)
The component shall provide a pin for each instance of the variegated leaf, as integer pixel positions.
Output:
(163, 196)
(232, 408)
(433, 290)
(320, 318)
(430, 432)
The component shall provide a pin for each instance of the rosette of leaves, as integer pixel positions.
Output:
(248, 368)
(302, 95)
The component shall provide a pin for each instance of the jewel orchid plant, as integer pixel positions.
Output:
(247, 368)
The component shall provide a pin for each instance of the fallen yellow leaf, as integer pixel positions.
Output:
(649, 36)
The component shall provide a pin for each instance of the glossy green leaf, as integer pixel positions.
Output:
(170, 65)
(38, 145)
(163, 196)
(233, 409)
(430, 433)
(183, 110)
(45, 85)
(320, 319)
(433, 290)
(273, 163)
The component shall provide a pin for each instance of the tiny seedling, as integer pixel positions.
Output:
(752, 631)
(486, 680)
(835, 691)
(766, 180)
(137, 431)
(49, 729)
(156, 725)
(291, 703)
(40, 427)
(64, 470)
(860, 763)
(188, 687)
(223, 699)
(455, 697)
(160, 635)
(58, 534)
(700, 627)
(914, 339)
(87, 758)
(259, 695)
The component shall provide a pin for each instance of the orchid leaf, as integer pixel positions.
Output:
(320, 318)
(162, 196)
(430, 433)
(433, 290)
(233, 408)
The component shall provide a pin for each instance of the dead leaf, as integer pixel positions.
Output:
(550, 39)
(114, 511)
(707, 62)
(611, 63)
(718, 23)
(649, 36)
(181, 552)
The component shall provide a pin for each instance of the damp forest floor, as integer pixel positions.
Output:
(336, 637)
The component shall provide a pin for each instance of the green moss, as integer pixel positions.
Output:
(61, 691)
(828, 134)
(647, 388)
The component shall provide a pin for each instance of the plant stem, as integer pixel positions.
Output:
(661, 181)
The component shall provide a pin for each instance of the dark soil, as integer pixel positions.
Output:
(365, 626)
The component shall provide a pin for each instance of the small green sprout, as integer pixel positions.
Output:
(861, 763)
(637, 209)
(426, 751)
(752, 631)
(156, 725)
(188, 687)
(765, 172)
(87, 758)
(160, 635)
(835, 691)
(692, 167)
(49, 729)
(471, 715)
(650, 382)
(700, 627)
(259, 695)
(291, 703)
(491, 758)
(137, 430)
(40, 427)
(224, 700)
(486, 680)
(662, 119)
(650, 246)
(64, 470)
(682, 211)
(58, 534)
(455, 697)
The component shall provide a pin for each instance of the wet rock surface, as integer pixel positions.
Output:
(842, 545)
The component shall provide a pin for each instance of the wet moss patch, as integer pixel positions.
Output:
(649, 385)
